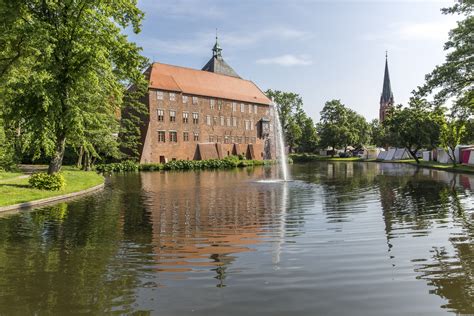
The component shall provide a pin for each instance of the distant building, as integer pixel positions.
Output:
(386, 99)
(203, 114)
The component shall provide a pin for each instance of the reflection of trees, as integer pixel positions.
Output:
(344, 185)
(417, 202)
(69, 257)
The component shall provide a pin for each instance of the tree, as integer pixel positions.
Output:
(133, 121)
(332, 127)
(290, 109)
(342, 127)
(452, 132)
(60, 55)
(309, 138)
(359, 130)
(455, 77)
(414, 127)
(378, 133)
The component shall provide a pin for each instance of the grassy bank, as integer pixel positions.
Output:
(226, 163)
(424, 164)
(14, 190)
(313, 157)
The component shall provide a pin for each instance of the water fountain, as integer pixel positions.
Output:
(281, 155)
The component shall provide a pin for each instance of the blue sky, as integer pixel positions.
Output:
(322, 50)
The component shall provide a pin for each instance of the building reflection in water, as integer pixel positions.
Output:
(203, 219)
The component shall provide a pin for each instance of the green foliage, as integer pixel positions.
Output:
(452, 132)
(342, 127)
(226, 163)
(298, 128)
(455, 77)
(7, 153)
(414, 127)
(124, 166)
(49, 182)
(133, 122)
(64, 67)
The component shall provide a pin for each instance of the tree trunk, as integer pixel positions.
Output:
(413, 154)
(86, 166)
(57, 159)
(453, 156)
(79, 159)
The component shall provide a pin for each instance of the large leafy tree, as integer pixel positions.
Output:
(64, 61)
(309, 136)
(342, 127)
(455, 77)
(290, 109)
(413, 127)
(332, 127)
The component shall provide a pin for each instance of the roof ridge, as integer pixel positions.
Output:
(200, 70)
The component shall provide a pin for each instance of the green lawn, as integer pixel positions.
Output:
(14, 191)
(9, 175)
(442, 166)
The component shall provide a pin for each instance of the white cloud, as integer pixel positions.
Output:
(408, 31)
(201, 43)
(423, 31)
(286, 60)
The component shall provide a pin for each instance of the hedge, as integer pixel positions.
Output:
(226, 163)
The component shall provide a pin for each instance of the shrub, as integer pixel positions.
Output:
(44, 181)
(226, 163)
(124, 166)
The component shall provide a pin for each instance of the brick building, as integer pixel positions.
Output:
(204, 114)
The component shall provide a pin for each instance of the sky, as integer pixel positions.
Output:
(322, 50)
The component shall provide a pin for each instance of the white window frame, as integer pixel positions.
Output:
(172, 96)
(162, 112)
(173, 112)
(185, 99)
(164, 138)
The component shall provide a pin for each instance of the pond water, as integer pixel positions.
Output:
(341, 239)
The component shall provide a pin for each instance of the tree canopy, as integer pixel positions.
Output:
(413, 127)
(299, 129)
(342, 127)
(63, 63)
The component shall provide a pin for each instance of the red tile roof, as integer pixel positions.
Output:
(203, 83)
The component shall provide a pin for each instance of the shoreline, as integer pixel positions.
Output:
(50, 200)
(423, 164)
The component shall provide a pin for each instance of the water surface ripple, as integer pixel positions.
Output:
(340, 239)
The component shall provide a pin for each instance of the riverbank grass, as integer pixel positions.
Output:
(425, 164)
(15, 189)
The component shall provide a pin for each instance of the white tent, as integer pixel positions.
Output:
(401, 153)
(427, 155)
(390, 154)
(471, 159)
(443, 156)
(372, 153)
(382, 155)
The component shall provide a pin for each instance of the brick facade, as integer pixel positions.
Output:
(195, 114)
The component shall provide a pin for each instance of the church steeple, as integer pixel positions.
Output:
(217, 64)
(386, 99)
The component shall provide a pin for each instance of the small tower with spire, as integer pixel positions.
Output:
(217, 64)
(386, 99)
